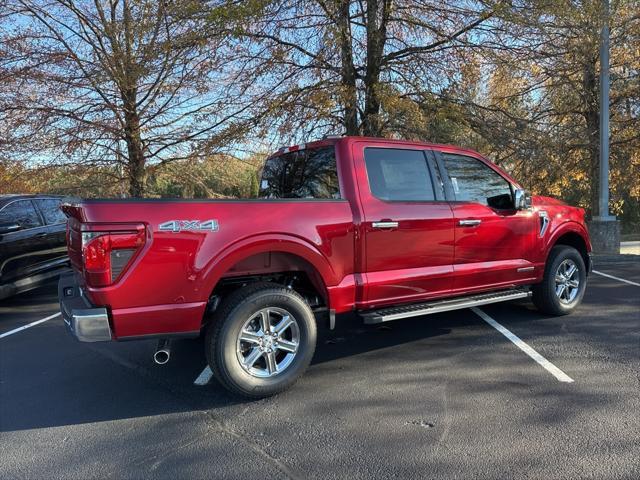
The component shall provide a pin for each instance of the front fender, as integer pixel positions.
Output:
(569, 226)
(562, 229)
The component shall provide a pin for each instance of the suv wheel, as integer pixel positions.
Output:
(564, 282)
(262, 340)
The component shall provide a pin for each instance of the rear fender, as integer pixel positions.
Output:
(249, 247)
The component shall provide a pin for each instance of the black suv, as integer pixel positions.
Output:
(32, 241)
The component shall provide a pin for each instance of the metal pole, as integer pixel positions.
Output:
(604, 114)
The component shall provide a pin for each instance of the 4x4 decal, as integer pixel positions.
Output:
(176, 226)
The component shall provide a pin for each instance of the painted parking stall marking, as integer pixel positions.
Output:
(32, 324)
(204, 377)
(616, 278)
(543, 362)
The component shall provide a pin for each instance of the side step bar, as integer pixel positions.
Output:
(417, 310)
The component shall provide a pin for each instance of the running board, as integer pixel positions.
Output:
(416, 310)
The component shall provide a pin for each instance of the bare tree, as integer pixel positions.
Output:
(346, 64)
(130, 83)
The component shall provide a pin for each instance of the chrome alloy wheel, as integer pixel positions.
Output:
(268, 342)
(567, 281)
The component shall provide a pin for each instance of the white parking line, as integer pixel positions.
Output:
(616, 278)
(543, 362)
(204, 377)
(32, 324)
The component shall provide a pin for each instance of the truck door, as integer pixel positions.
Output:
(407, 224)
(493, 240)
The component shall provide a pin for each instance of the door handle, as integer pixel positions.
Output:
(474, 222)
(385, 224)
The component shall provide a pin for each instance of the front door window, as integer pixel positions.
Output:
(473, 181)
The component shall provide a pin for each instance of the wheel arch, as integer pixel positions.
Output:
(271, 254)
(573, 235)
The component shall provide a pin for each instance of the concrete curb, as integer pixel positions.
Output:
(600, 259)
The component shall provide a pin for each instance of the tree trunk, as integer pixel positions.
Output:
(129, 92)
(376, 37)
(591, 115)
(136, 161)
(348, 70)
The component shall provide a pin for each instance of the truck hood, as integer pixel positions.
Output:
(541, 201)
(559, 210)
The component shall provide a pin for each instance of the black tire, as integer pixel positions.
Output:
(544, 294)
(221, 341)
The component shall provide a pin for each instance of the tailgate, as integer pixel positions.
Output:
(74, 244)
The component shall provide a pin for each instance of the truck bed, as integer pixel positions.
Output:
(167, 288)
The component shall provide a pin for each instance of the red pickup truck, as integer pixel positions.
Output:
(384, 228)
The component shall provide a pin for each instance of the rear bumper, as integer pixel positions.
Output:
(84, 321)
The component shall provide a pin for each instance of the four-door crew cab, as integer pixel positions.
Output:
(388, 229)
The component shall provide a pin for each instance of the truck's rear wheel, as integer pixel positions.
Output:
(564, 282)
(262, 340)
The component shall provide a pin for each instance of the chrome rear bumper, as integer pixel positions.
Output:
(84, 321)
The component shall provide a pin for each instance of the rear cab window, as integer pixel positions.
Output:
(305, 174)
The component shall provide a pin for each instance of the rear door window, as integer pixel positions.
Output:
(50, 208)
(309, 173)
(399, 174)
(21, 212)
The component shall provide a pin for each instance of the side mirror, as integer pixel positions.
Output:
(521, 199)
(9, 227)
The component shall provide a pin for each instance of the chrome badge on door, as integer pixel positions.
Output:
(176, 226)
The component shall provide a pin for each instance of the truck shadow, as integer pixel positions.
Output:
(49, 379)
(68, 382)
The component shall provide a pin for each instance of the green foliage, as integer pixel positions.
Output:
(216, 177)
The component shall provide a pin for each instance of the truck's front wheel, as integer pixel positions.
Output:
(564, 282)
(262, 340)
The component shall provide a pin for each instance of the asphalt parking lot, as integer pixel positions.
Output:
(446, 395)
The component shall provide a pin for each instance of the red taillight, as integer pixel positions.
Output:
(106, 255)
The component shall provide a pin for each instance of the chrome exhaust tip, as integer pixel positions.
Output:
(163, 352)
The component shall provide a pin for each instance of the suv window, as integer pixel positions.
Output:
(398, 174)
(473, 181)
(309, 173)
(21, 212)
(50, 208)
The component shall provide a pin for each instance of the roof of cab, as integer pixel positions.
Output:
(333, 139)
